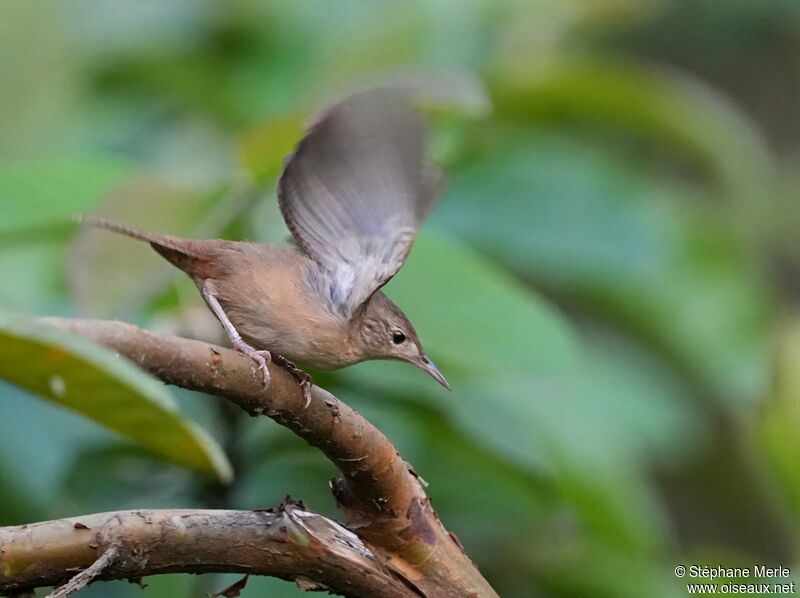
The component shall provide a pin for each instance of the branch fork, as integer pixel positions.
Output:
(392, 543)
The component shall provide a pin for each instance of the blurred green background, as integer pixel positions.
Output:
(610, 281)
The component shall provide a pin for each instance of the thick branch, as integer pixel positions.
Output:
(290, 543)
(381, 495)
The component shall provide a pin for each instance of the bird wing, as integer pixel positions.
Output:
(355, 191)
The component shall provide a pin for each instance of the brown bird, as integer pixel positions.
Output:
(353, 195)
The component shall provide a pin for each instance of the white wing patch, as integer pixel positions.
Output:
(362, 266)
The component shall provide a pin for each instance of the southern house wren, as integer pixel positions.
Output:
(353, 195)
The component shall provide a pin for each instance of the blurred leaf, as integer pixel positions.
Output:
(18, 504)
(726, 464)
(702, 126)
(110, 273)
(36, 201)
(562, 214)
(450, 91)
(95, 382)
(35, 109)
(780, 415)
(264, 147)
(266, 586)
(130, 479)
(632, 404)
(447, 458)
(37, 461)
(489, 335)
(623, 400)
(36, 194)
(289, 467)
(170, 585)
(601, 571)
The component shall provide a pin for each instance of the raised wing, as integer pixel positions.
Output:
(355, 191)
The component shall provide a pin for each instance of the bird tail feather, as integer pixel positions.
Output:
(189, 255)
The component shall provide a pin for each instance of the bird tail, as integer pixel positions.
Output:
(191, 256)
(118, 227)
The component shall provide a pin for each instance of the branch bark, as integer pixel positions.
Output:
(382, 497)
(289, 542)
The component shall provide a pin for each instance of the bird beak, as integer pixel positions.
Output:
(426, 364)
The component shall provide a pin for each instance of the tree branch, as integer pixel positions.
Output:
(288, 542)
(379, 492)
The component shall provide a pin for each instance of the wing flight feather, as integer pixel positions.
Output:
(355, 191)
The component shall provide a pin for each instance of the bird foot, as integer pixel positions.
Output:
(303, 378)
(262, 358)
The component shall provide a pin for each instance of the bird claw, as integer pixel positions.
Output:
(262, 361)
(303, 378)
(262, 358)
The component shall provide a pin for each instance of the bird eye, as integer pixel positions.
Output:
(398, 337)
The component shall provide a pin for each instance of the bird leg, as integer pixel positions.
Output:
(262, 358)
(303, 378)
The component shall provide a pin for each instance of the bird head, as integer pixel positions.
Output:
(384, 332)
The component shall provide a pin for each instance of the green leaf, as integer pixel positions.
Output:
(623, 400)
(17, 503)
(490, 336)
(596, 569)
(701, 127)
(37, 194)
(780, 416)
(84, 377)
(131, 478)
(264, 147)
(642, 252)
(452, 91)
(36, 201)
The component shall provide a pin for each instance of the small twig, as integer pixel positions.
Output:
(85, 577)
